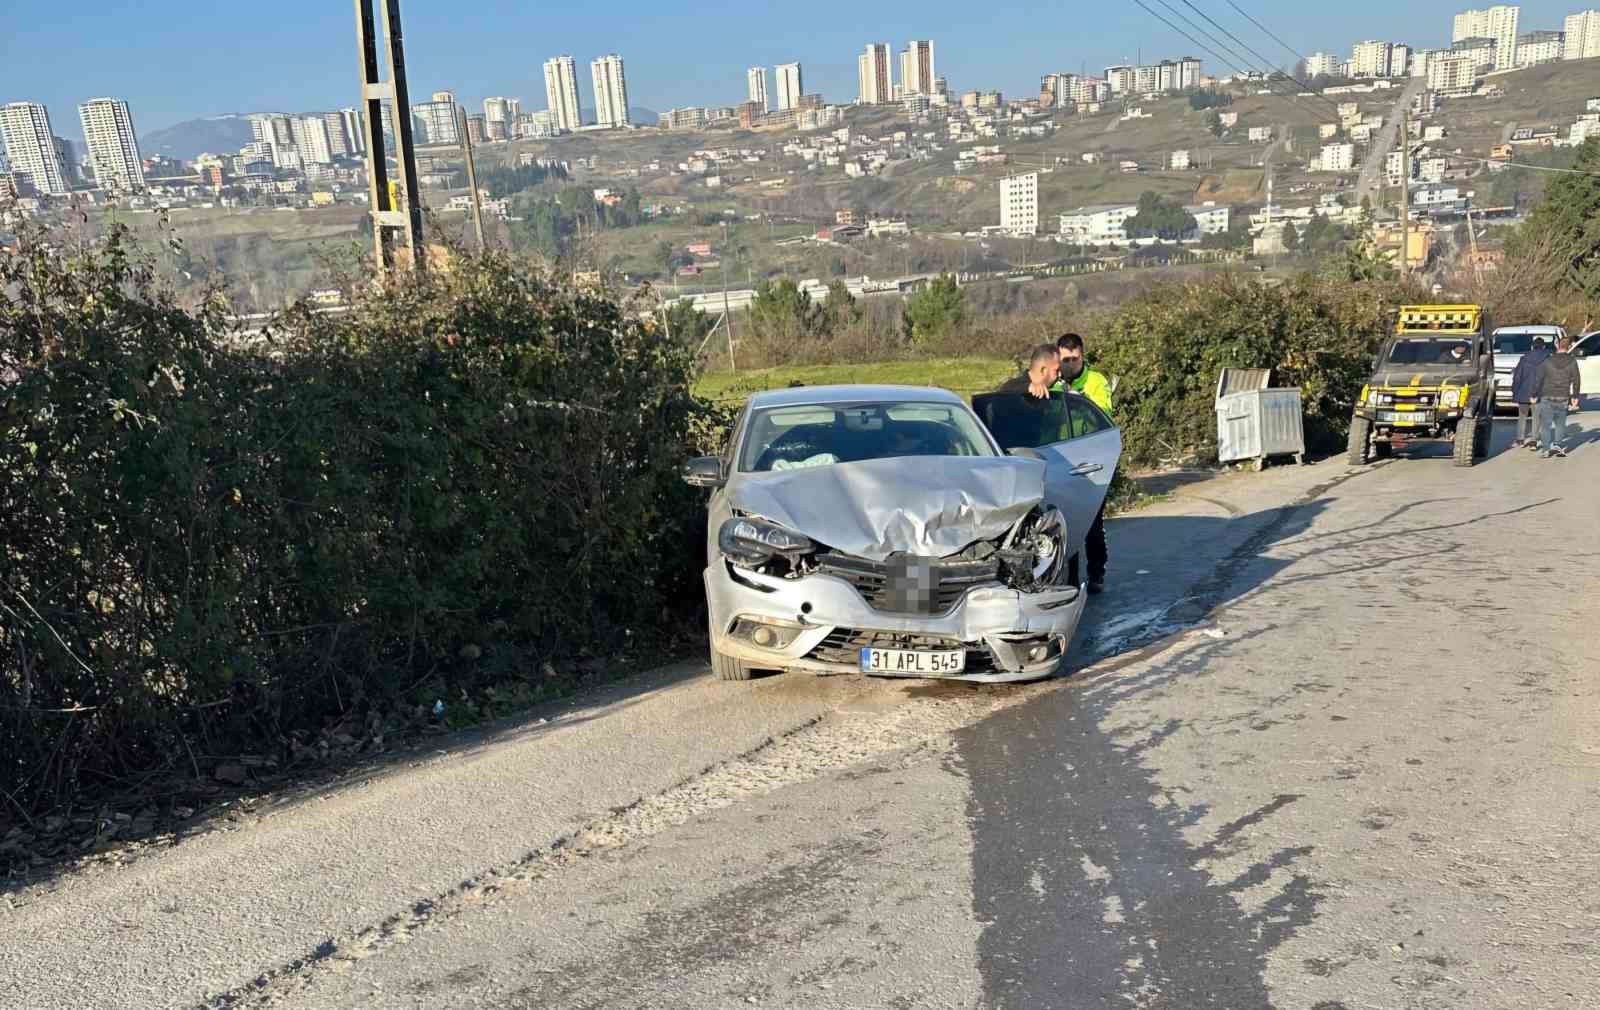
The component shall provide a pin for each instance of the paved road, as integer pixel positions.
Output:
(1372, 169)
(1332, 744)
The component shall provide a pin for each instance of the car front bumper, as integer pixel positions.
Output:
(997, 628)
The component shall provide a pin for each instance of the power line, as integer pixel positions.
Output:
(1265, 63)
(1266, 31)
(1221, 60)
(1209, 37)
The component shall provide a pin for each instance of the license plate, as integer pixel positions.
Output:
(1401, 417)
(902, 661)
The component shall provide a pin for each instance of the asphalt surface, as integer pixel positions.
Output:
(1372, 169)
(1331, 742)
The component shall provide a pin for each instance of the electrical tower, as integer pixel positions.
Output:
(387, 218)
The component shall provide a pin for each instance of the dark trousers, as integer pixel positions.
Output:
(1096, 547)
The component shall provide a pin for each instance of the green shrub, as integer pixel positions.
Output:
(469, 472)
(1167, 346)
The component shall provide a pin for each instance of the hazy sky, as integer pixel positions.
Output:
(182, 59)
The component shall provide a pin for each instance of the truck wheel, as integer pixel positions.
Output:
(1360, 438)
(1466, 444)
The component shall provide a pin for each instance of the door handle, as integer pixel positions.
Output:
(1085, 469)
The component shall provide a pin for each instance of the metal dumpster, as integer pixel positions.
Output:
(1254, 421)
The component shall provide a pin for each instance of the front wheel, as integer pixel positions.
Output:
(1359, 449)
(1466, 443)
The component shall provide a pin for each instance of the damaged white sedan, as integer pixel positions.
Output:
(883, 530)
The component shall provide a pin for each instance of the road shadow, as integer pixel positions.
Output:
(1089, 890)
(1171, 573)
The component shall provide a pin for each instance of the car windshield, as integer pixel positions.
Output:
(1429, 351)
(1518, 343)
(790, 438)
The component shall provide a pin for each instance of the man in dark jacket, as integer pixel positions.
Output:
(1558, 390)
(1523, 388)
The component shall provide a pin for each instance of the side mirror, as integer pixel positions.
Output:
(703, 472)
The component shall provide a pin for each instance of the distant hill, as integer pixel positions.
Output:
(636, 115)
(217, 135)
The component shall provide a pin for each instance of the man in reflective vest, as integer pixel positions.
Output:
(1080, 378)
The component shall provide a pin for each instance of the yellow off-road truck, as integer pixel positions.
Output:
(1433, 381)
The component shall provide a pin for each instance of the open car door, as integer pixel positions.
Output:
(1587, 352)
(1079, 444)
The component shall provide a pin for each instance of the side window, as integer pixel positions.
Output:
(1084, 418)
(1018, 421)
(735, 434)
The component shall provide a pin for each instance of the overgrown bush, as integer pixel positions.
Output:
(208, 548)
(1168, 345)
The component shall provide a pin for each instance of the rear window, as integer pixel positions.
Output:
(1520, 343)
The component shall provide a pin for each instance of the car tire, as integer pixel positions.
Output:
(1360, 440)
(728, 668)
(1465, 449)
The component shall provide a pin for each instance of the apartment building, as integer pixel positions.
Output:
(112, 144)
(1336, 158)
(611, 91)
(435, 120)
(916, 68)
(1581, 38)
(756, 87)
(312, 141)
(31, 146)
(561, 93)
(1535, 48)
(1098, 224)
(1323, 65)
(1452, 74)
(1371, 58)
(1122, 80)
(1019, 204)
(1482, 52)
(1498, 23)
(874, 75)
(790, 85)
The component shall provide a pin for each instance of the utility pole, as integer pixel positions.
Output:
(1405, 192)
(727, 313)
(472, 175)
(386, 217)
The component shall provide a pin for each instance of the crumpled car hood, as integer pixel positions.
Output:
(929, 506)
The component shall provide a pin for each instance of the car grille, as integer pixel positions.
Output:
(843, 647)
(1419, 400)
(950, 582)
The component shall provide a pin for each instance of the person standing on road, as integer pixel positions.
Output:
(1076, 373)
(1044, 368)
(1080, 378)
(1524, 389)
(1558, 390)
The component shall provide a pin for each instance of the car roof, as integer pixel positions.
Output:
(800, 396)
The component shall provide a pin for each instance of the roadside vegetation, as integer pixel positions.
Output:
(460, 497)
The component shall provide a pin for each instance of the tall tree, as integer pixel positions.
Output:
(1567, 222)
(934, 310)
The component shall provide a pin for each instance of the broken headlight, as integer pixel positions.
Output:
(751, 543)
(1036, 552)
